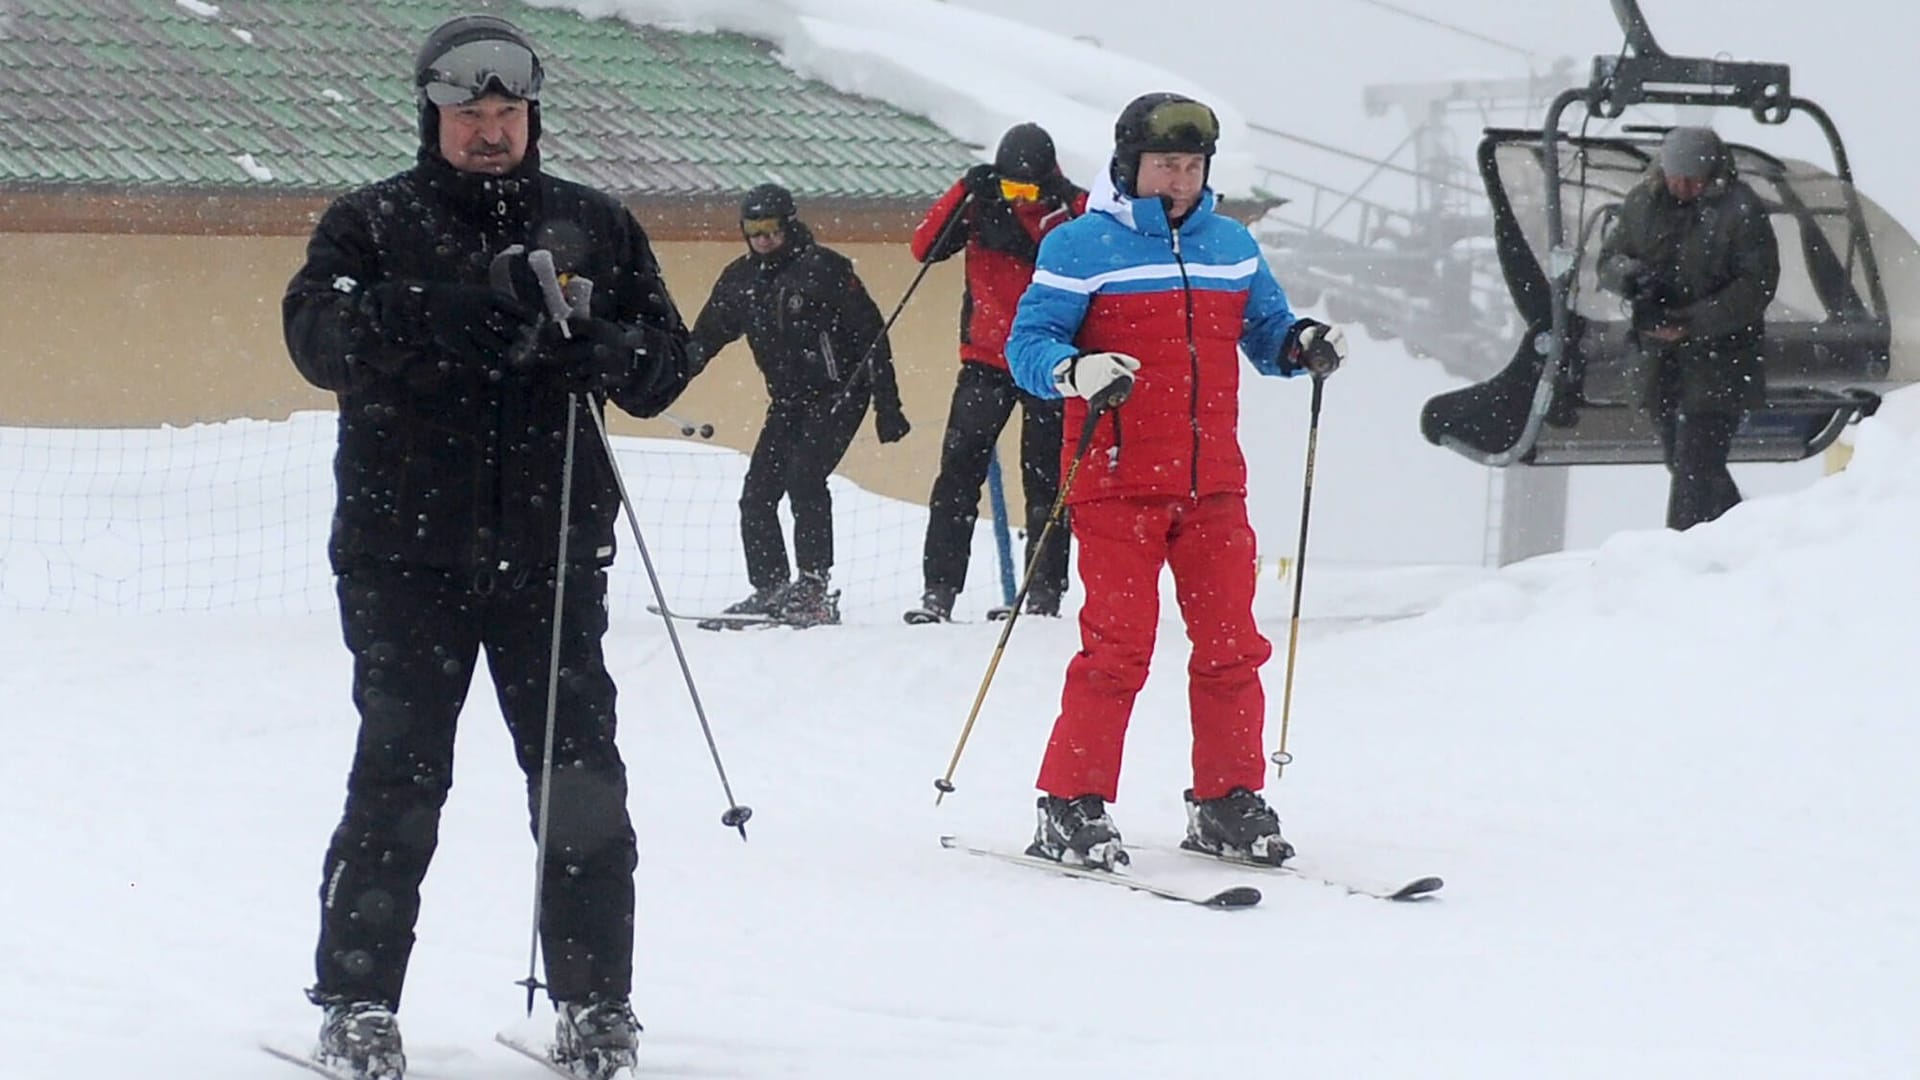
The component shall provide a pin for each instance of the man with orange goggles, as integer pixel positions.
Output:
(997, 214)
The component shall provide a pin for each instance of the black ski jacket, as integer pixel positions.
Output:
(808, 319)
(439, 463)
(1711, 265)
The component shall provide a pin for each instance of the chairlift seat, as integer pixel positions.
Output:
(1843, 329)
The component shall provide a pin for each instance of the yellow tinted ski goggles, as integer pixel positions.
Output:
(1019, 190)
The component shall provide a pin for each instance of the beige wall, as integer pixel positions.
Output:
(139, 331)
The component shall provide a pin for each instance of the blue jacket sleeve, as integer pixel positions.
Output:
(1048, 318)
(1265, 324)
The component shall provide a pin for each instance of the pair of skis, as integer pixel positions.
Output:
(512, 1042)
(1238, 896)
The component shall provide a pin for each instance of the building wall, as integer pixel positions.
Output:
(142, 331)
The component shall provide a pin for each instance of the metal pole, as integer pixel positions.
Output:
(1281, 758)
(1098, 407)
(532, 981)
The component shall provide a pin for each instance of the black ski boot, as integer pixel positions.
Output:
(594, 1039)
(762, 606)
(1077, 832)
(361, 1039)
(807, 602)
(1237, 825)
(1045, 606)
(936, 605)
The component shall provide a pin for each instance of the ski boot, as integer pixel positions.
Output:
(1237, 825)
(595, 1039)
(936, 605)
(763, 605)
(1042, 604)
(361, 1039)
(807, 602)
(1077, 832)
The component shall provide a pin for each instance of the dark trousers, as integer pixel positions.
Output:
(1697, 445)
(416, 635)
(983, 401)
(800, 445)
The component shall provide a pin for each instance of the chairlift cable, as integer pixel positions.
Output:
(1456, 28)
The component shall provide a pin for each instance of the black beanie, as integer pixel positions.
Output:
(1025, 153)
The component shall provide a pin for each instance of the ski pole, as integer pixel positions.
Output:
(736, 815)
(688, 427)
(1110, 398)
(1281, 758)
(866, 357)
(532, 981)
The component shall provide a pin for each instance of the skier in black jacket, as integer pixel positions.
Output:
(818, 339)
(1695, 257)
(454, 400)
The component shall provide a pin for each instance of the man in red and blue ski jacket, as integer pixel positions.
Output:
(1150, 299)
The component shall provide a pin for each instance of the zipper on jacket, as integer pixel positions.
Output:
(1193, 362)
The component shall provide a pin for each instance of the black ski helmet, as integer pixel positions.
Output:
(1025, 153)
(1161, 122)
(767, 201)
(466, 29)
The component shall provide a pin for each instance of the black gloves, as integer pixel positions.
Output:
(890, 423)
(472, 324)
(603, 356)
(1055, 187)
(1314, 346)
(595, 357)
(981, 183)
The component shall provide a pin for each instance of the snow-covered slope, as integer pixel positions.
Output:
(1668, 782)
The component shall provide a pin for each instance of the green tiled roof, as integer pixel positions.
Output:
(177, 94)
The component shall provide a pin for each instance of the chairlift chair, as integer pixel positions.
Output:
(1843, 328)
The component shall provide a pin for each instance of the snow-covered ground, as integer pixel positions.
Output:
(1668, 782)
(1667, 778)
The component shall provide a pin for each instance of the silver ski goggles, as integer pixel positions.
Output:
(475, 69)
(1182, 126)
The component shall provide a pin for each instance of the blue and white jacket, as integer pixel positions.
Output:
(1186, 303)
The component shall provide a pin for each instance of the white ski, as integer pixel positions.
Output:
(1239, 896)
(539, 1054)
(735, 621)
(1419, 888)
(304, 1059)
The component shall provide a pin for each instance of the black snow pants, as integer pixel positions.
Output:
(983, 401)
(1696, 444)
(800, 444)
(416, 634)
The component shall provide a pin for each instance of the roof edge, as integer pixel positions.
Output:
(129, 211)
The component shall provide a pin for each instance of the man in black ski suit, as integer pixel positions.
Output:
(820, 343)
(997, 214)
(1695, 257)
(455, 396)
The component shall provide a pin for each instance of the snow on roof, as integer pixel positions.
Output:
(974, 74)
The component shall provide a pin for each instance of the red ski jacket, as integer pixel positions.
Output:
(1001, 240)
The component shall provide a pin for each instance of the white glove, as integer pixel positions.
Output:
(1090, 374)
(1319, 348)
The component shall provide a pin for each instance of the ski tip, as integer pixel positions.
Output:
(949, 841)
(1418, 889)
(1240, 896)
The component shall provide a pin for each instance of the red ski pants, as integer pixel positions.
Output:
(1124, 543)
